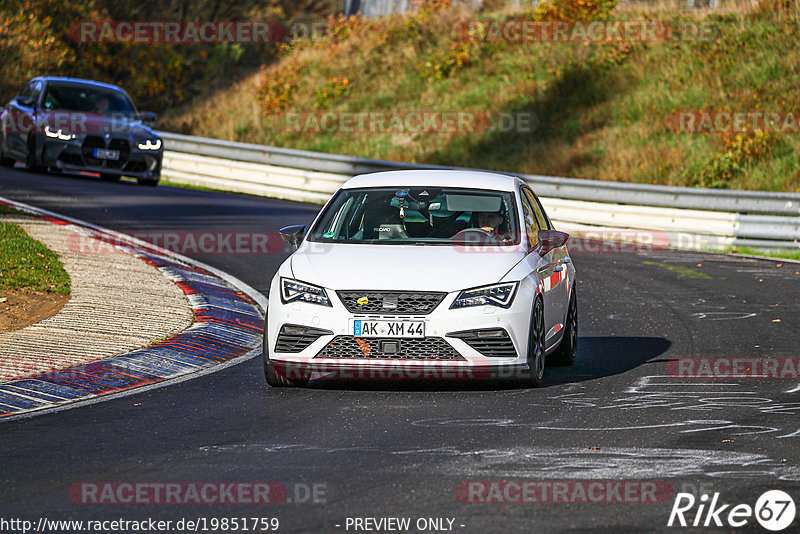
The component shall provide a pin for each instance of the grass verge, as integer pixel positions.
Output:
(786, 254)
(26, 264)
(601, 110)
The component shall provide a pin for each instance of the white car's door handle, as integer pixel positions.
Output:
(547, 267)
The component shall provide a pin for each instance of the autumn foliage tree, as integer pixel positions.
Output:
(37, 37)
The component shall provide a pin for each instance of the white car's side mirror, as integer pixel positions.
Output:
(293, 235)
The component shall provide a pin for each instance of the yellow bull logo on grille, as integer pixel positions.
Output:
(363, 301)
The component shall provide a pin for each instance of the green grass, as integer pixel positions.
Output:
(26, 264)
(9, 211)
(603, 110)
(786, 254)
(680, 270)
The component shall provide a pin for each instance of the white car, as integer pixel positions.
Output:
(423, 274)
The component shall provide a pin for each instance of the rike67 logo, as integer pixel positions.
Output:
(774, 510)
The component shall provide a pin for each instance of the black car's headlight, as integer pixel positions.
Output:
(292, 291)
(500, 295)
(150, 145)
(63, 135)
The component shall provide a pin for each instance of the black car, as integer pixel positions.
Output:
(69, 124)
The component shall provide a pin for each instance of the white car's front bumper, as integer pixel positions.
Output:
(462, 360)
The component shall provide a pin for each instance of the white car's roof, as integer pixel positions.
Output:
(435, 178)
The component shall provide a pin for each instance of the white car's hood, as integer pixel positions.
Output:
(401, 267)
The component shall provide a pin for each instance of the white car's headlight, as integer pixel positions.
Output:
(500, 295)
(148, 145)
(292, 290)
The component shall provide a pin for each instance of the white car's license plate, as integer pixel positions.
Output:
(102, 153)
(361, 328)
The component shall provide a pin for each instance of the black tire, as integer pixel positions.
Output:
(568, 347)
(110, 177)
(276, 377)
(536, 357)
(276, 374)
(147, 182)
(31, 163)
(4, 161)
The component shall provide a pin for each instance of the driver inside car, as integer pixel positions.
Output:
(490, 221)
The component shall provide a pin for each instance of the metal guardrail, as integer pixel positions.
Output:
(754, 218)
(549, 186)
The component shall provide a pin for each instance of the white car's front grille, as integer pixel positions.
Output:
(391, 302)
(428, 348)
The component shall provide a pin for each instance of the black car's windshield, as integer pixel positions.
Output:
(88, 99)
(418, 215)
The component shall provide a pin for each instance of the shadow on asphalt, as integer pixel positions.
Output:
(603, 356)
(598, 357)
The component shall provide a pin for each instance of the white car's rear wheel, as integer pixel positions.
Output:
(568, 348)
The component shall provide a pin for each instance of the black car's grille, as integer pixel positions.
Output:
(428, 348)
(124, 149)
(94, 141)
(492, 342)
(295, 338)
(391, 302)
(89, 144)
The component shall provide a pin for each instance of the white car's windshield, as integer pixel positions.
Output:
(418, 215)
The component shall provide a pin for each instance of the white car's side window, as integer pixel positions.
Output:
(541, 218)
(531, 226)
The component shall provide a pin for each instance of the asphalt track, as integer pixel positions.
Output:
(403, 449)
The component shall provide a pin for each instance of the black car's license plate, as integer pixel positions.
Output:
(102, 153)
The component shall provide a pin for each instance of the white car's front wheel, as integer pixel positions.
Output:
(280, 374)
(536, 345)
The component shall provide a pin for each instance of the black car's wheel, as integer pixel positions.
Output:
(536, 357)
(4, 160)
(31, 161)
(110, 177)
(147, 181)
(568, 348)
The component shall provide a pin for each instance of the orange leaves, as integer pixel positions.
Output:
(574, 10)
(279, 85)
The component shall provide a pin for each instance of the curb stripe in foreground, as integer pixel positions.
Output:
(227, 326)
